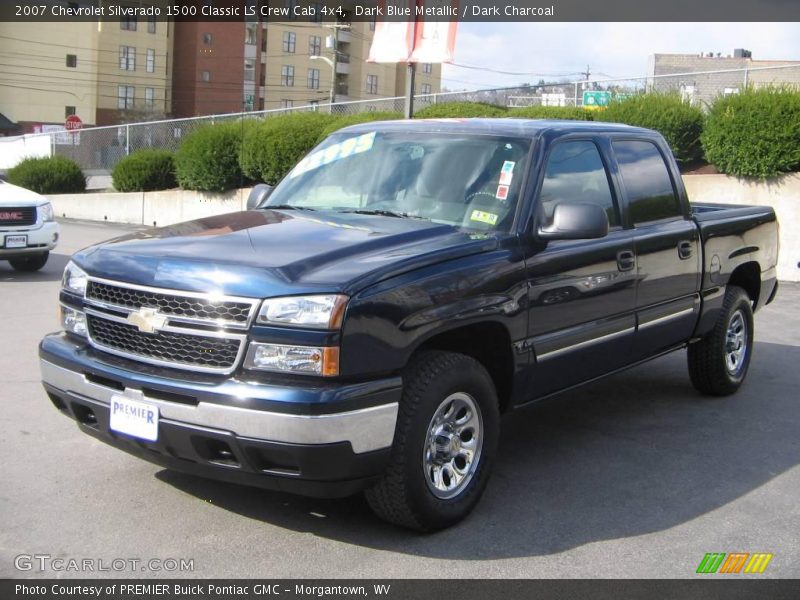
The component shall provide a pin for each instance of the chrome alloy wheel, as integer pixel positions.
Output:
(736, 343)
(453, 445)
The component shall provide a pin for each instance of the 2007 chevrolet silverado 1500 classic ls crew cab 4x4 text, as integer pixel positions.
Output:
(366, 323)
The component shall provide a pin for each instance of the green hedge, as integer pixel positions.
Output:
(680, 123)
(755, 133)
(208, 159)
(451, 110)
(145, 171)
(276, 144)
(53, 175)
(551, 112)
(356, 119)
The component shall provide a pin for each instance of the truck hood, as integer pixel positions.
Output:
(265, 253)
(12, 195)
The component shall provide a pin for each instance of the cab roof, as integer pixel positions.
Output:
(528, 128)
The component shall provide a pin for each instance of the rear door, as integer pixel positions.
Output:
(667, 246)
(581, 292)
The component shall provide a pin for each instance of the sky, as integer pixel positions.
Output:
(551, 50)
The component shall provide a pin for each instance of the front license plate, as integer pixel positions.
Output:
(16, 241)
(138, 419)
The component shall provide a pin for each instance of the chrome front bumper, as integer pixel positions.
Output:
(366, 429)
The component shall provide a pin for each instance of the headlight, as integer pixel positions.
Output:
(73, 321)
(319, 312)
(46, 210)
(74, 279)
(293, 359)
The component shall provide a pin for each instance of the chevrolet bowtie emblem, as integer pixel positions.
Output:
(148, 320)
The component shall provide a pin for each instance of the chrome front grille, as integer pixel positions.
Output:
(191, 331)
(199, 308)
(166, 347)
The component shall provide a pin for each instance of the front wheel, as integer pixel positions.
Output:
(444, 445)
(29, 263)
(718, 363)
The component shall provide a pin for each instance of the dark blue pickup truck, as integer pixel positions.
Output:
(364, 325)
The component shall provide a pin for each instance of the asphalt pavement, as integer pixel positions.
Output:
(634, 476)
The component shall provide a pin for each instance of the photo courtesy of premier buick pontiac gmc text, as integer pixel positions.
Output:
(364, 325)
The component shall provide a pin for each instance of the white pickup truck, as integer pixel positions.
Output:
(28, 229)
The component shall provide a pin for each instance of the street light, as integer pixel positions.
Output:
(332, 65)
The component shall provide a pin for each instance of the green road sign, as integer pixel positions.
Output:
(596, 99)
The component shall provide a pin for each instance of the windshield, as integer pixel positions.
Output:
(468, 181)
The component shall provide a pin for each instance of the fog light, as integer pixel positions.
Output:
(73, 321)
(293, 359)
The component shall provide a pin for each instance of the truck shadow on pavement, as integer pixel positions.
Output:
(636, 453)
(52, 271)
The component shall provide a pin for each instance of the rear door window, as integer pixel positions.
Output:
(651, 195)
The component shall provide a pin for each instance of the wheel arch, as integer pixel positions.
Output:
(488, 342)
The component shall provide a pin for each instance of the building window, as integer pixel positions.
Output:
(128, 23)
(314, 45)
(125, 96)
(149, 97)
(287, 75)
(150, 65)
(127, 58)
(250, 33)
(372, 84)
(426, 88)
(314, 103)
(313, 79)
(287, 103)
(249, 69)
(427, 68)
(208, 39)
(69, 111)
(151, 24)
(205, 76)
(289, 41)
(72, 60)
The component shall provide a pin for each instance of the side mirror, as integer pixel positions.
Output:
(574, 221)
(258, 195)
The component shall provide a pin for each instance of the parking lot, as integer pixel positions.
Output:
(634, 476)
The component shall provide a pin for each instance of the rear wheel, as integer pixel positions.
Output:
(444, 444)
(718, 363)
(29, 263)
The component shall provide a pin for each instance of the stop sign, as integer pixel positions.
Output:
(73, 123)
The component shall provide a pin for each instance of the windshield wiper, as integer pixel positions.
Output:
(287, 207)
(383, 213)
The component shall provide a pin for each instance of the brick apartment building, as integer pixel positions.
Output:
(231, 67)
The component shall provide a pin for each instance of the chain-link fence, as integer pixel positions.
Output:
(98, 149)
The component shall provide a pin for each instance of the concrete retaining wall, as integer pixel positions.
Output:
(147, 208)
(166, 208)
(783, 194)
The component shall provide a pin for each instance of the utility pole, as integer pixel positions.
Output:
(411, 72)
(335, 64)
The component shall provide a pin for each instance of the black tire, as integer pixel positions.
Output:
(29, 263)
(403, 495)
(709, 369)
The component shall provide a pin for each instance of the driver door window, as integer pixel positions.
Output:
(575, 173)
